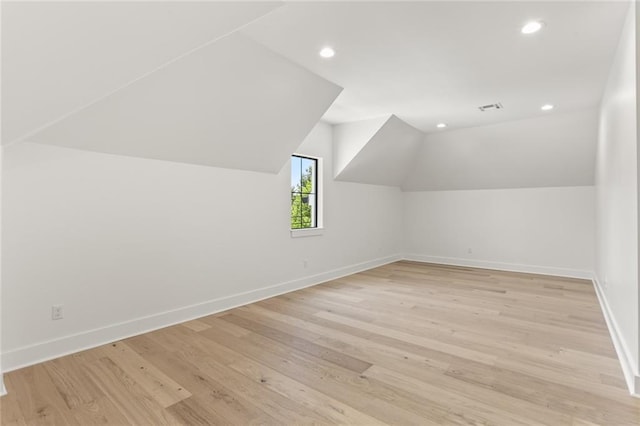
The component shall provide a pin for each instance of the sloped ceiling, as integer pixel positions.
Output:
(232, 103)
(60, 56)
(172, 81)
(383, 158)
(350, 138)
(554, 150)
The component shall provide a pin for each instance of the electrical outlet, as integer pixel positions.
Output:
(469, 250)
(56, 312)
(305, 263)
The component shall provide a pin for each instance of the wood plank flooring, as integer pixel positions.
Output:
(406, 343)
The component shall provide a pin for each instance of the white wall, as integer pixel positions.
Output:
(617, 202)
(637, 31)
(545, 230)
(128, 244)
(2, 388)
(518, 194)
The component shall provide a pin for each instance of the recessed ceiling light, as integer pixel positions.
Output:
(441, 125)
(547, 107)
(327, 52)
(532, 27)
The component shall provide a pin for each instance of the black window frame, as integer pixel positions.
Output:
(315, 192)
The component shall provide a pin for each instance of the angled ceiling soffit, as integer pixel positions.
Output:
(386, 157)
(60, 57)
(350, 138)
(232, 104)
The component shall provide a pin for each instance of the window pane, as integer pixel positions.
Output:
(308, 175)
(295, 173)
(309, 210)
(296, 211)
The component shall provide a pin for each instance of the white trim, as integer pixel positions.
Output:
(55, 348)
(512, 267)
(629, 368)
(306, 232)
(3, 390)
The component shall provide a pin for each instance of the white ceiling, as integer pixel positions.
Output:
(58, 57)
(431, 62)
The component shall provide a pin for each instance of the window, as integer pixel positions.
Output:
(304, 192)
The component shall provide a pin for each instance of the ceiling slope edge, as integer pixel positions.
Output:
(232, 104)
(386, 157)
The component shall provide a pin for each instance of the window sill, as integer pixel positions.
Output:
(308, 232)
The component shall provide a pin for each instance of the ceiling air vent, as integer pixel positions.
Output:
(490, 107)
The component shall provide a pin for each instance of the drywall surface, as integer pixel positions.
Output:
(128, 244)
(350, 138)
(58, 57)
(555, 149)
(617, 200)
(2, 388)
(385, 157)
(232, 104)
(544, 230)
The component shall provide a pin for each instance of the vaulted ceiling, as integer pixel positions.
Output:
(240, 84)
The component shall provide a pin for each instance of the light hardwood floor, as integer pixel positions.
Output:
(405, 343)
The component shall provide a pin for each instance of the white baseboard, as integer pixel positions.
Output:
(43, 351)
(511, 267)
(3, 390)
(629, 368)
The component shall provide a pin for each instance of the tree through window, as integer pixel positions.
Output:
(304, 192)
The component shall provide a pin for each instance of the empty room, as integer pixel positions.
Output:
(292, 212)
